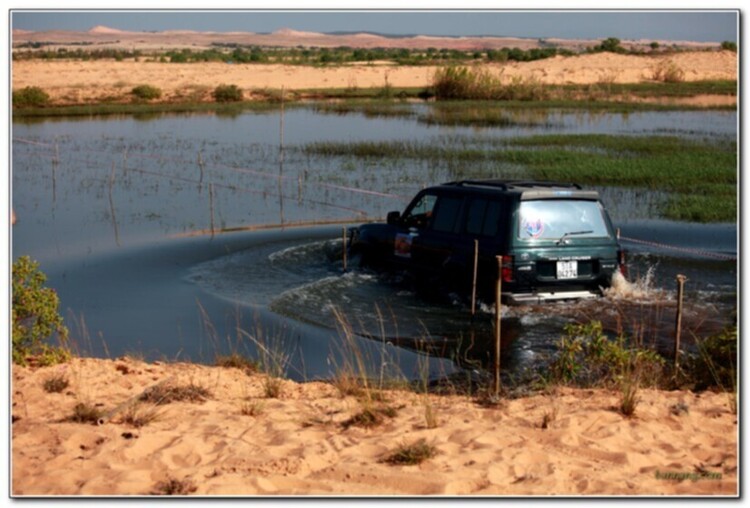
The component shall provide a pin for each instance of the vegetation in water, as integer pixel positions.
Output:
(700, 176)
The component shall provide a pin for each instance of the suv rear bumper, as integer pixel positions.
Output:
(541, 297)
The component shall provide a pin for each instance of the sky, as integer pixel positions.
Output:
(702, 26)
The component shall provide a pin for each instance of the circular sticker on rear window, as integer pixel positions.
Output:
(534, 227)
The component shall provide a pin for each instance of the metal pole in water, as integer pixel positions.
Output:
(498, 309)
(474, 280)
(343, 236)
(678, 324)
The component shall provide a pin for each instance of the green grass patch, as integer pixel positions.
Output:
(699, 175)
(145, 110)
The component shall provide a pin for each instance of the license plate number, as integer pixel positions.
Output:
(567, 269)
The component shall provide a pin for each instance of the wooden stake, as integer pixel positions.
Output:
(343, 234)
(112, 205)
(678, 322)
(498, 312)
(211, 203)
(474, 280)
(200, 165)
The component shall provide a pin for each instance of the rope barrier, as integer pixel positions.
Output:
(697, 252)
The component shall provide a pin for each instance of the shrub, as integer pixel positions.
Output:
(30, 96)
(586, 357)
(146, 92)
(452, 83)
(227, 93)
(716, 362)
(35, 317)
(668, 72)
(729, 46)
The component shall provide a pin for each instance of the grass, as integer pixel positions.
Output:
(85, 413)
(611, 97)
(252, 408)
(139, 415)
(704, 189)
(629, 398)
(56, 383)
(370, 417)
(411, 454)
(273, 387)
(236, 361)
(174, 487)
(168, 393)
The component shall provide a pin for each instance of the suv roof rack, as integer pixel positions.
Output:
(508, 184)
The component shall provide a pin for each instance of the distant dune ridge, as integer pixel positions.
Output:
(289, 37)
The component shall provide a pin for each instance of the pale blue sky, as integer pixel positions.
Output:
(704, 26)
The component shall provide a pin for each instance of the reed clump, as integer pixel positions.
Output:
(463, 83)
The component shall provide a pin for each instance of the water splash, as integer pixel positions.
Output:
(641, 289)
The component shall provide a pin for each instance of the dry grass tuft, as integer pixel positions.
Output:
(173, 487)
(138, 415)
(56, 383)
(252, 408)
(85, 413)
(166, 394)
(370, 417)
(412, 454)
(273, 387)
(237, 361)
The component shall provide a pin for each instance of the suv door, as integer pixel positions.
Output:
(433, 247)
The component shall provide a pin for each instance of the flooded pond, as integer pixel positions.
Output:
(145, 229)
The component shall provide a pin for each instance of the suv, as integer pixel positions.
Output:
(556, 240)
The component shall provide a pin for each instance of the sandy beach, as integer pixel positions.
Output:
(569, 442)
(76, 82)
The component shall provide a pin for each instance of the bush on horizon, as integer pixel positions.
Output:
(30, 96)
(227, 93)
(146, 92)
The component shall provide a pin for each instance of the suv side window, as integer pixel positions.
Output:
(419, 214)
(492, 216)
(483, 217)
(475, 216)
(446, 213)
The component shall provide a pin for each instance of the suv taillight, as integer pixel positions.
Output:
(507, 271)
(621, 263)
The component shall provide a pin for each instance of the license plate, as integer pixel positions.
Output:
(567, 269)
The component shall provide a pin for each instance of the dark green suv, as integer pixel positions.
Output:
(555, 239)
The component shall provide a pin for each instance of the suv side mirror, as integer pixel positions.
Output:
(393, 218)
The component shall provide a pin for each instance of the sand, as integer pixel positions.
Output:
(678, 443)
(77, 82)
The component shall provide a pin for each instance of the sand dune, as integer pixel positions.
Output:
(297, 445)
(74, 82)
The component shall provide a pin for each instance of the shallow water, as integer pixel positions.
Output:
(119, 213)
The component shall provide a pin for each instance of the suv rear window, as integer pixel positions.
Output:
(552, 219)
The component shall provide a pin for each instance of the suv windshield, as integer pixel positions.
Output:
(550, 219)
